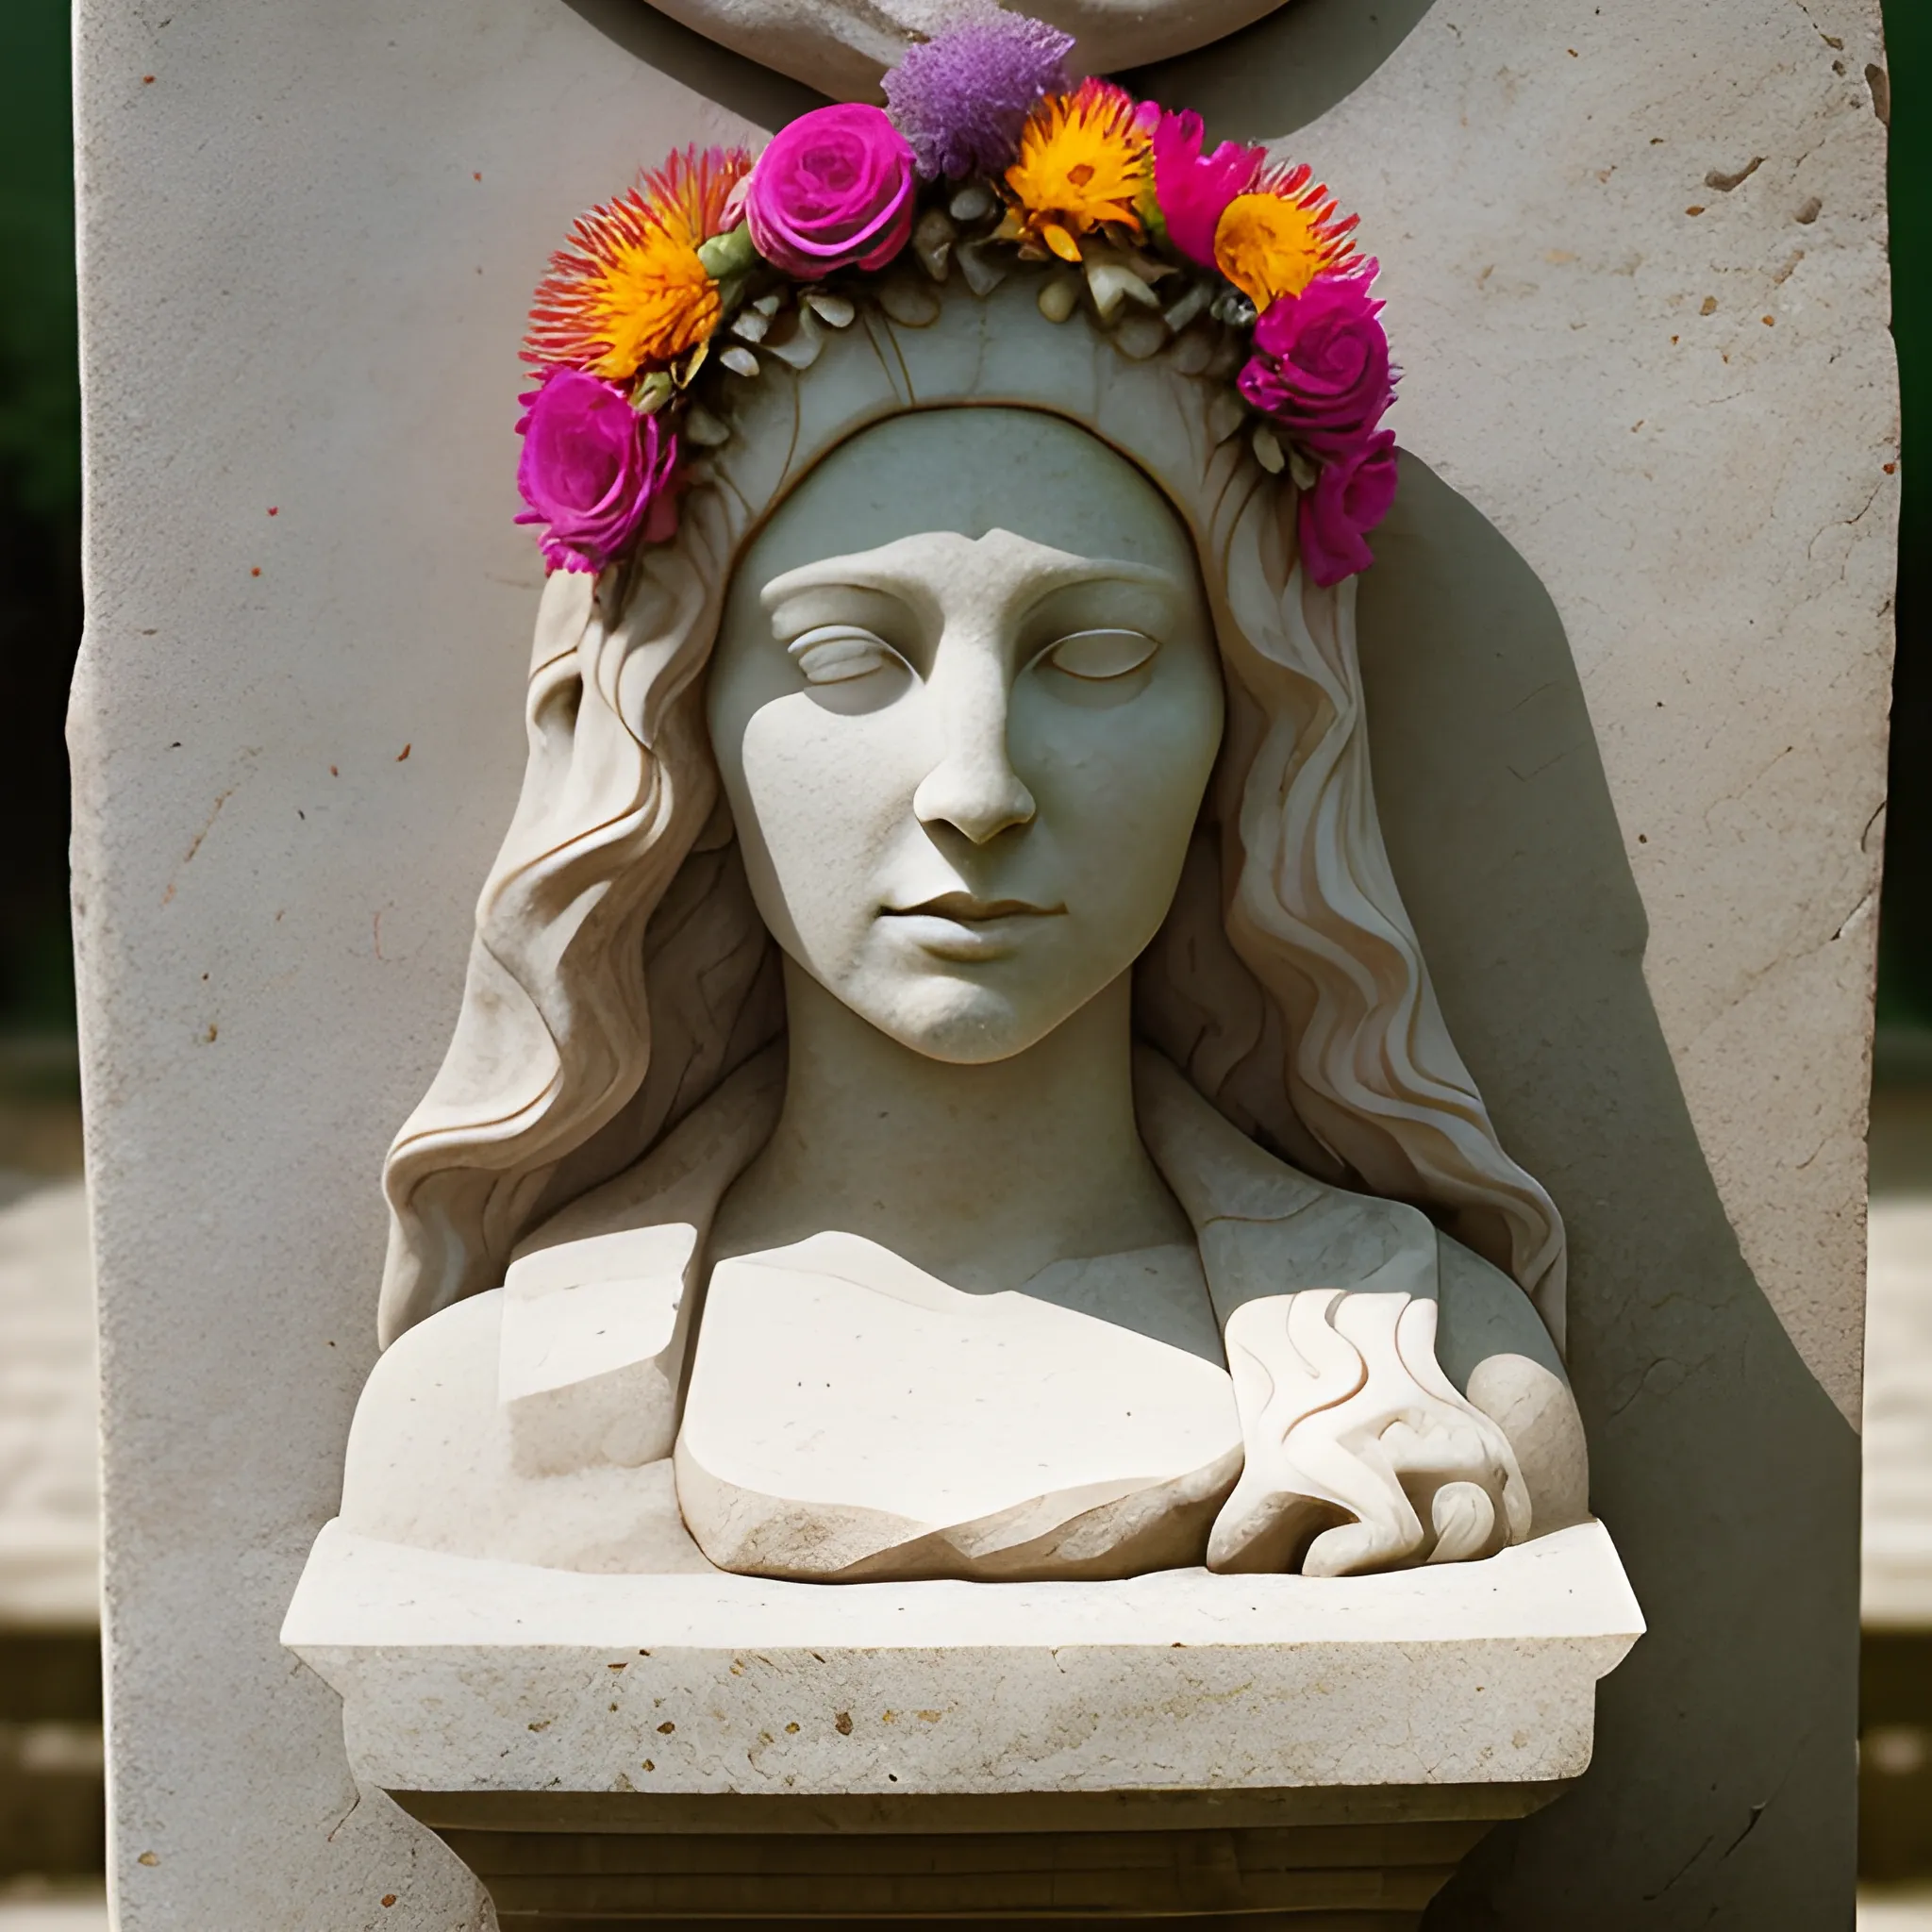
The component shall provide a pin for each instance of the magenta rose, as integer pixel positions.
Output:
(592, 469)
(1351, 496)
(1193, 189)
(1321, 363)
(834, 189)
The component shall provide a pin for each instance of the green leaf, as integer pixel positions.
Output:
(729, 255)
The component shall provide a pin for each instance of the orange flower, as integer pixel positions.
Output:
(1083, 161)
(1277, 240)
(628, 292)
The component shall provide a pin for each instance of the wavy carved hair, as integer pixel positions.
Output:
(619, 970)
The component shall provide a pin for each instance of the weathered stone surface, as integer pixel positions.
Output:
(1463, 1674)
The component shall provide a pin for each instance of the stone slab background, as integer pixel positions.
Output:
(308, 234)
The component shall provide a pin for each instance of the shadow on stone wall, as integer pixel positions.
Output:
(1286, 70)
(1722, 1785)
(733, 82)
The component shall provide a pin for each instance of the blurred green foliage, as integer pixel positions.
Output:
(40, 505)
(40, 400)
(1904, 938)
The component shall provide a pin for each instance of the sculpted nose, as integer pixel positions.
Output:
(973, 788)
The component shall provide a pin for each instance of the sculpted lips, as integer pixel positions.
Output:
(961, 927)
(969, 910)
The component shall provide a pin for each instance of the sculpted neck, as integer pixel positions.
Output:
(982, 1176)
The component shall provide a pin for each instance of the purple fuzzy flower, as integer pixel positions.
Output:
(1193, 189)
(962, 97)
(1321, 364)
(592, 469)
(1351, 496)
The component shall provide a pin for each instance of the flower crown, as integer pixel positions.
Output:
(983, 157)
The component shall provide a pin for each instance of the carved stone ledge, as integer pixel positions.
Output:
(708, 1748)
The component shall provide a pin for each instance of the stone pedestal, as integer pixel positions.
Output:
(1179, 1746)
(1363, 1858)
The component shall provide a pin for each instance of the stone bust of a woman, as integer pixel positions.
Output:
(946, 1086)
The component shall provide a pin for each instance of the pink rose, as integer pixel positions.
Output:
(1193, 189)
(1351, 496)
(1321, 363)
(834, 189)
(592, 469)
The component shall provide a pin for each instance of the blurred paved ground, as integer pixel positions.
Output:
(1895, 1753)
(1897, 1581)
(49, 1489)
(50, 1737)
(1876, 1913)
(87, 1913)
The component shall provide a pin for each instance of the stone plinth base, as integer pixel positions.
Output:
(1367, 1861)
(609, 1750)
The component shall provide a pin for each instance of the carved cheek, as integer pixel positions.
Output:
(1127, 780)
(822, 798)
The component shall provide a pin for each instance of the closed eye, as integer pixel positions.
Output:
(837, 653)
(1096, 655)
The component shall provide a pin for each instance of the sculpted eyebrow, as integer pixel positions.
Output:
(1127, 585)
(804, 605)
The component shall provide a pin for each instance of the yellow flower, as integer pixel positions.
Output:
(1083, 161)
(1276, 241)
(628, 292)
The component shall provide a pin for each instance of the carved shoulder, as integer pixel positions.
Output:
(425, 1441)
(430, 1464)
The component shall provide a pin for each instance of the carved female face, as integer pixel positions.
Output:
(965, 700)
